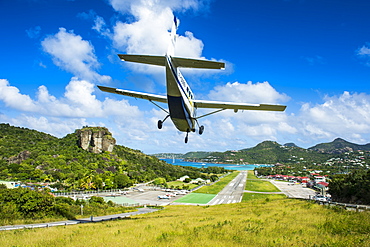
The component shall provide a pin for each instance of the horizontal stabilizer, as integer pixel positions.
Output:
(177, 61)
(147, 96)
(197, 63)
(237, 106)
(153, 60)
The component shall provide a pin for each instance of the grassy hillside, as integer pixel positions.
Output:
(280, 222)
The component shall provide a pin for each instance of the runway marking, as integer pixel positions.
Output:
(232, 184)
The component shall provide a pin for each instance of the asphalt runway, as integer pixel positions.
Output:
(233, 192)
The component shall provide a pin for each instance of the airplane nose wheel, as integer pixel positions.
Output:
(187, 137)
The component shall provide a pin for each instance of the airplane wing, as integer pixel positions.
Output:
(147, 96)
(237, 106)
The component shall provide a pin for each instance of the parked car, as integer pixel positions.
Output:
(321, 198)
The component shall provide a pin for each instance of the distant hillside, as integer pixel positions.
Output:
(291, 144)
(31, 155)
(339, 146)
(196, 155)
(269, 152)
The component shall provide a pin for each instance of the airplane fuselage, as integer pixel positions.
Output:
(180, 98)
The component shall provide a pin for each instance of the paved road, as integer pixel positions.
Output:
(294, 191)
(79, 221)
(233, 192)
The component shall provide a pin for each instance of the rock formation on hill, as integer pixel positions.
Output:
(19, 158)
(95, 139)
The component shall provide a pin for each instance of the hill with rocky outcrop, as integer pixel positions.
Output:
(95, 139)
(85, 159)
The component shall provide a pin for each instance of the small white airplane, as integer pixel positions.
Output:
(163, 197)
(180, 99)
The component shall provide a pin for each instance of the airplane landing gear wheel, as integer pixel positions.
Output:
(160, 124)
(201, 130)
(187, 137)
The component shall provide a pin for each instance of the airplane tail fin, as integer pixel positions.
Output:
(177, 61)
(173, 35)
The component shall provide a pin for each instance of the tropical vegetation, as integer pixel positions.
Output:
(23, 205)
(60, 162)
(353, 187)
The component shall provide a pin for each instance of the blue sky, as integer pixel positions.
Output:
(311, 55)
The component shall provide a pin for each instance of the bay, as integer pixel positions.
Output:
(181, 162)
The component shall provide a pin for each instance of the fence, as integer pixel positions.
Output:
(346, 206)
(91, 193)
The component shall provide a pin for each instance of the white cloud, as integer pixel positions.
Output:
(247, 93)
(78, 107)
(149, 35)
(231, 130)
(13, 98)
(78, 101)
(364, 53)
(346, 116)
(147, 32)
(130, 6)
(75, 55)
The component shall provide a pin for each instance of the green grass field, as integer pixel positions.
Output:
(199, 198)
(255, 196)
(251, 175)
(217, 187)
(180, 184)
(255, 184)
(279, 222)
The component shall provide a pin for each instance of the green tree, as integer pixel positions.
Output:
(122, 181)
(159, 181)
(29, 203)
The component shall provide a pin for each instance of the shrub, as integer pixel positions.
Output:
(97, 200)
(64, 209)
(66, 200)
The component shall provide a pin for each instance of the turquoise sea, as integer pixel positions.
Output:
(181, 162)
